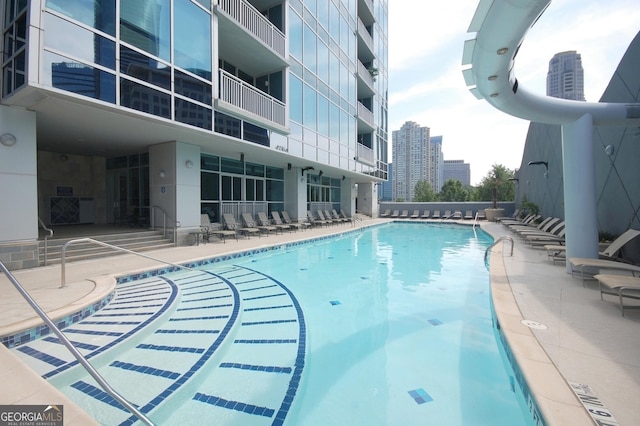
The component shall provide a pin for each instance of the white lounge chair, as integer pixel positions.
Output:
(622, 286)
(558, 252)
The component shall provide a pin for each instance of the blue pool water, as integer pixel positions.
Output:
(391, 325)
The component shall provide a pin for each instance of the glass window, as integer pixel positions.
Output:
(253, 169)
(230, 165)
(334, 21)
(295, 104)
(309, 55)
(275, 173)
(192, 38)
(146, 25)
(210, 162)
(323, 13)
(334, 121)
(227, 125)
(309, 111)
(275, 190)
(323, 115)
(295, 36)
(79, 42)
(344, 81)
(334, 72)
(144, 68)
(256, 134)
(145, 99)
(192, 114)
(209, 186)
(323, 61)
(344, 128)
(99, 14)
(63, 73)
(191, 87)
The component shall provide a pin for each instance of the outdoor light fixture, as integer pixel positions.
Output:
(320, 174)
(343, 177)
(306, 168)
(546, 166)
(502, 50)
(242, 157)
(162, 174)
(188, 164)
(609, 150)
(8, 139)
(492, 77)
(514, 179)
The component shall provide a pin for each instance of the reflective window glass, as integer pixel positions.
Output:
(295, 103)
(145, 99)
(309, 107)
(194, 115)
(334, 72)
(226, 125)
(191, 87)
(309, 56)
(209, 186)
(334, 122)
(146, 25)
(256, 134)
(192, 38)
(323, 61)
(70, 38)
(295, 36)
(63, 73)
(144, 68)
(99, 14)
(323, 115)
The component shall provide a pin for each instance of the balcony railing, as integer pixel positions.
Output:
(246, 97)
(365, 155)
(365, 115)
(366, 37)
(251, 19)
(365, 75)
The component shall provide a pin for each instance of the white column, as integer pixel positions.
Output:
(581, 229)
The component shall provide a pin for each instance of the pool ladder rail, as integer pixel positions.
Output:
(503, 238)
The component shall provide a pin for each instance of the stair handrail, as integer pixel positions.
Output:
(81, 359)
(63, 283)
(503, 238)
(46, 237)
(164, 223)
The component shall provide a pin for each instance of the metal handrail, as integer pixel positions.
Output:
(505, 237)
(46, 248)
(81, 359)
(103, 244)
(164, 223)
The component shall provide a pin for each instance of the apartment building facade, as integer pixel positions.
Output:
(167, 109)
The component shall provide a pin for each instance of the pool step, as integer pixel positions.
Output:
(163, 334)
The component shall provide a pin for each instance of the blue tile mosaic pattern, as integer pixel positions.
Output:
(234, 405)
(420, 396)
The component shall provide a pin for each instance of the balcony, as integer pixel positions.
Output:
(365, 82)
(244, 100)
(366, 52)
(365, 155)
(365, 119)
(365, 11)
(248, 40)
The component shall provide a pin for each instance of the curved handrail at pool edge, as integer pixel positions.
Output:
(81, 359)
(503, 238)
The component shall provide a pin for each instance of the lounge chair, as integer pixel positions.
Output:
(622, 286)
(386, 213)
(335, 218)
(558, 252)
(395, 213)
(447, 214)
(287, 220)
(263, 220)
(344, 215)
(481, 215)
(277, 221)
(231, 224)
(315, 221)
(580, 263)
(249, 222)
(207, 228)
(328, 220)
(539, 238)
(334, 215)
(436, 214)
(415, 214)
(405, 214)
(457, 214)
(544, 226)
(426, 214)
(468, 215)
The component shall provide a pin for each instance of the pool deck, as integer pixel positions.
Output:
(572, 332)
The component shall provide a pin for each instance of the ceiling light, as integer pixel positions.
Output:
(502, 50)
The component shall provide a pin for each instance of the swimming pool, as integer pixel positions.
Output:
(389, 325)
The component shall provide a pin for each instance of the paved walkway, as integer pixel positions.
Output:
(587, 339)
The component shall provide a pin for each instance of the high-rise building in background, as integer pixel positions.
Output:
(565, 78)
(385, 189)
(411, 149)
(193, 107)
(457, 170)
(436, 164)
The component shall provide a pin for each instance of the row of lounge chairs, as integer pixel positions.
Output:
(615, 274)
(249, 226)
(426, 214)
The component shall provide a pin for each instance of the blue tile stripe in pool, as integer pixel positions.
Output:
(169, 348)
(234, 405)
(435, 321)
(98, 394)
(420, 396)
(49, 359)
(145, 369)
(79, 345)
(265, 368)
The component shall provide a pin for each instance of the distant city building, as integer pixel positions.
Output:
(436, 164)
(411, 150)
(565, 78)
(457, 170)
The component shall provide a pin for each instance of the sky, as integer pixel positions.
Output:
(426, 39)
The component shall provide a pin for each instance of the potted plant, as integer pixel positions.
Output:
(497, 181)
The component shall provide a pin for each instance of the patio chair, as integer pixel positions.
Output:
(395, 213)
(335, 216)
(426, 214)
(436, 214)
(447, 214)
(468, 215)
(405, 214)
(328, 220)
(558, 252)
(249, 222)
(231, 224)
(344, 215)
(287, 219)
(277, 221)
(316, 221)
(207, 228)
(263, 220)
(481, 215)
(415, 214)
(624, 287)
(386, 213)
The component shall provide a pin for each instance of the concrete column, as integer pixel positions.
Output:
(368, 199)
(581, 229)
(295, 190)
(348, 196)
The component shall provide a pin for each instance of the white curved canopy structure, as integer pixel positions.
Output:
(500, 27)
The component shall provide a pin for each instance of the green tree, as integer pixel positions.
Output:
(423, 192)
(452, 190)
(496, 186)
